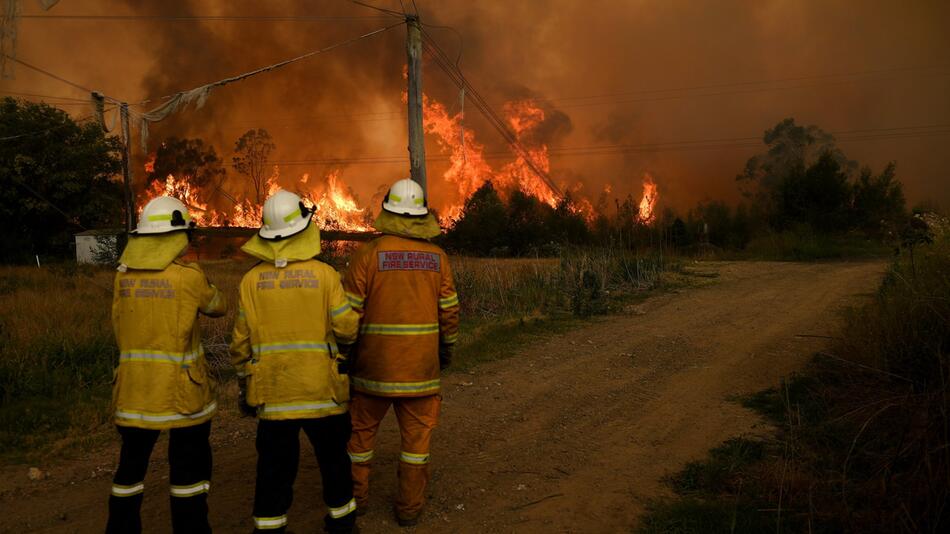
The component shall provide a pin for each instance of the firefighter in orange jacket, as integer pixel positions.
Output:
(162, 380)
(285, 346)
(401, 285)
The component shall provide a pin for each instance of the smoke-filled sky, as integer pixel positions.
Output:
(607, 73)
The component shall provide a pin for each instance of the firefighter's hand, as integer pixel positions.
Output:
(246, 409)
(348, 356)
(445, 356)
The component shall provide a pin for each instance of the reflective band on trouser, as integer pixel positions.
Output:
(294, 346)
(395, 387)
(448, 302)
(317, 407)
(119, 490)
(359, 457)
(343, 308)
(413, 458)
(128, 415)
(355, 300)
(400, 329)
(158, 356)
(191, 490)
(341, 511)
(268, 523)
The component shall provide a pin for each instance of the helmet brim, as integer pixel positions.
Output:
(284, 233)
(402, 210)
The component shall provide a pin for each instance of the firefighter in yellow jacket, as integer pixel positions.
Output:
(285, 346)
(162, 380)
(402, 287)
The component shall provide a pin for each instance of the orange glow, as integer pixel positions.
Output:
(468, 170)
(335, 205)
(648, 202)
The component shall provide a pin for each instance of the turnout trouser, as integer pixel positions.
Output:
(278, 454)
(417, 417)
(189, 458)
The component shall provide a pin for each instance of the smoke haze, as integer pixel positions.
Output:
(605, 72)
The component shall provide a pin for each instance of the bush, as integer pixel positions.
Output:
(862, 432)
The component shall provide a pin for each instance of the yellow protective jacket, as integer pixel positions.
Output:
(285, 340)
(162, 380)
(403, 290)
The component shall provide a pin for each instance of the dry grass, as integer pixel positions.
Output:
(863, 434)
(57, 351)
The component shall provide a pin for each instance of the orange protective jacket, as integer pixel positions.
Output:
(403, 290)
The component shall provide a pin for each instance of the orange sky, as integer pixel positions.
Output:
(608, 72)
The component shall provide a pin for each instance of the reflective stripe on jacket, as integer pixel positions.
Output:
(403, 290)
(162, 379)
(285, 340)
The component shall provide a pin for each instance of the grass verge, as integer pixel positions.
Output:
(57, 351)
(862, 441)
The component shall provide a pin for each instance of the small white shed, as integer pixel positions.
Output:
(98, 246)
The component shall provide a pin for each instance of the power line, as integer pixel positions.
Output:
(207, 18)
(34, 95)
(753, 82)
(456, 75)
(385, 116)
(50, 74)
(51, 128)
(389, 12)
(846, 136)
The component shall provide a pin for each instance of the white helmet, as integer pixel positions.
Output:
(162, 215)
(406, 197)
(284, 215)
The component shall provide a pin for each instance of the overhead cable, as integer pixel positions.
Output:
(199, 95)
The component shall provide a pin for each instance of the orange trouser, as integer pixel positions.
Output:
(417, 418)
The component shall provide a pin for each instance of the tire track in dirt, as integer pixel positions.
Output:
(573, 434)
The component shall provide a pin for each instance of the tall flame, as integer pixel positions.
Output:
(468, 169)
(648, 202)
(337, 207)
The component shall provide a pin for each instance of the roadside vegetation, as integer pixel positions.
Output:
(861, 441)
(57, 351)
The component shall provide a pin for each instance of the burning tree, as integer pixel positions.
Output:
(252, 152)
(187, 159)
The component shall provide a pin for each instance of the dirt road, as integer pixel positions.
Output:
(571, 435)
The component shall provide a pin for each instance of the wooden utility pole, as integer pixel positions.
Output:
(417, 148)
(126, 168)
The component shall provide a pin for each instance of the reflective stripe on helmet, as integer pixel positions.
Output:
(119, 490)
(372, 386)
(190, 490)
(341, 511)
(413, 458)
(400, 329)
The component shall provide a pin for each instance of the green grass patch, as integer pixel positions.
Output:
(717, 473)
